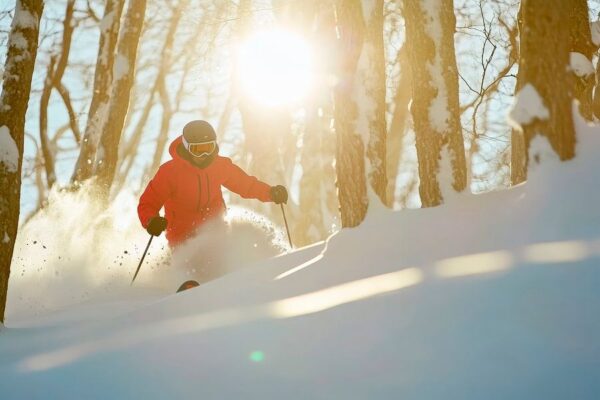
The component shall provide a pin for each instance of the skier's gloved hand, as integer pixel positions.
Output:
(279, 194)
(156, 226)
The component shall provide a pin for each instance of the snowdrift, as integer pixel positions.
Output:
(490, 296)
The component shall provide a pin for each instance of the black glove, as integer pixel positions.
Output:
(279, 194)
(156, 226)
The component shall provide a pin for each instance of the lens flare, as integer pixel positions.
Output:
(257, 356)
(275, 67)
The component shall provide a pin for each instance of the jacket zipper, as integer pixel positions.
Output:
(208, 191)
(199, 191)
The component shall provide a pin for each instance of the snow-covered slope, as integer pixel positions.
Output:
(491, 296)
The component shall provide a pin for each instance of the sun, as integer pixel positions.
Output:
(275, 67)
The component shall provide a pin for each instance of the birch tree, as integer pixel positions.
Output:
(360, 108)
(109, 32)
(430, 27)
(123, 78)
(16, 87)
(544, 97)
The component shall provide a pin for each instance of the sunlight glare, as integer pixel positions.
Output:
(555, 252)
(275, 67)
(472, 264)
(346, 293)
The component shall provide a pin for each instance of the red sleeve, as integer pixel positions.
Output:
(243, 184)
(155, 195)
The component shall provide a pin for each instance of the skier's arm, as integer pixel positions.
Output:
(249, 187)
(154, 197)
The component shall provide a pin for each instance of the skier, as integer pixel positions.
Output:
(189, 186)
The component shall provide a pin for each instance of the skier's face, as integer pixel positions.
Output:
(200, 160)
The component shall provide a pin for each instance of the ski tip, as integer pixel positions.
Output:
(187, 285)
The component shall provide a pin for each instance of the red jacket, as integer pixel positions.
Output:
(192, 195)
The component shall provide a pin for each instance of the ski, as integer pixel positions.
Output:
(187, 285)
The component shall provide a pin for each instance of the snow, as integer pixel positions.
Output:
(439, 115)
(9, 152)
(540, 151)
(121, 67)
(107, 22)
(528, 107)
(19, 41)
(581, 65)
(489, 296)
(23, 18)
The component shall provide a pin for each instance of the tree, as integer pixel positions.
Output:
(582, 52)
(16, 87)
(317, 209)
(360, 108)
(400, 119)
(543, 79)
(109, 32)
(159, 87)
(56, 69)
(269, 146)
(123, 78)
(430, 27)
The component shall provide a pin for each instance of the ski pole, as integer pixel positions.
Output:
(142, 260)
(286, 226)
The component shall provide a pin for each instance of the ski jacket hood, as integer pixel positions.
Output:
(192, 195)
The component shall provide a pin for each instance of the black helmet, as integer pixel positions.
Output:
(198, 132)
(199, 143)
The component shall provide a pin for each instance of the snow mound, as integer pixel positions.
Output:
(492, 296)
(528, 107)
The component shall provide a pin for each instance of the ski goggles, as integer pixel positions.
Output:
(200, 149)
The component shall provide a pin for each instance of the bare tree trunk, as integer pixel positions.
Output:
(318, 206)
(518, 160)
(397, 129)
(47, 152)
(360, 108)
(582, 45)
(56, 70)
(318, 202)
(544, 65)
(109, 32)
(267, 132)
(596, 96)
(435, 106)
(168, 109)
(371, 73)
(16, 87)
(123, 78)
(350, 149)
